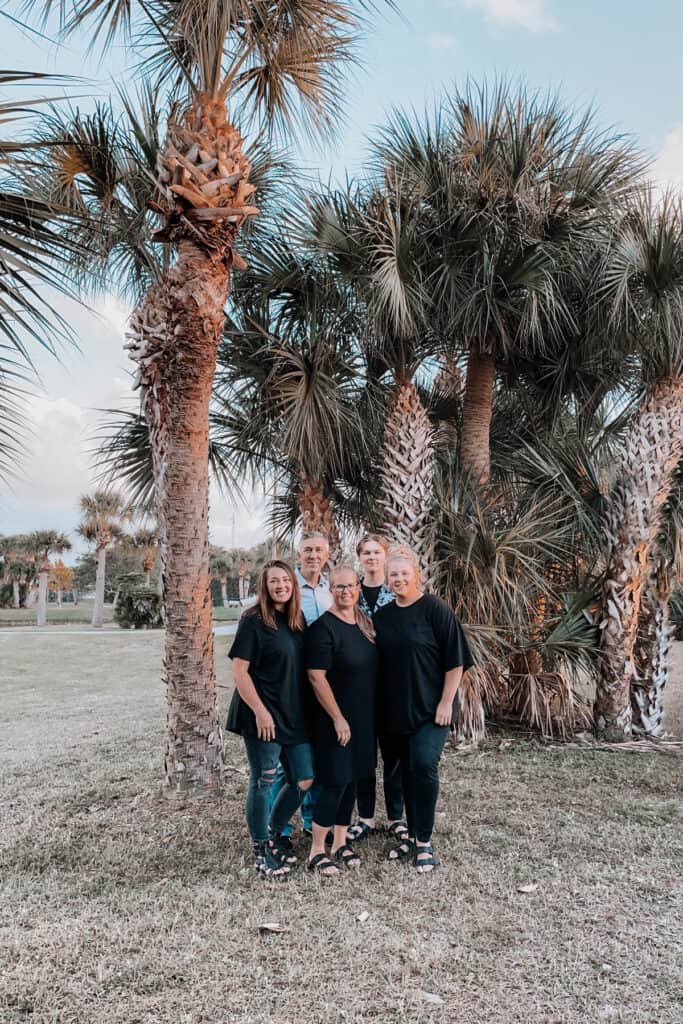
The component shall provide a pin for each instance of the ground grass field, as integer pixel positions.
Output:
(81, 614)
(559, 899)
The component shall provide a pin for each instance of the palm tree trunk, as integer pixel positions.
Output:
(41, 611)
(224, 592)
(98, 609)
(176, 334)
(652, 452)
(59, 597)
(653, 643)
(475, 439)
(406, 473)
(317, 513)
(16, 603)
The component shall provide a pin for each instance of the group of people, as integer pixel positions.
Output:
(326, 668)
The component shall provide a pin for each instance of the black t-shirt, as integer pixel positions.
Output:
(417, 645)
(371, 594)
(275, 659)
(349, 661)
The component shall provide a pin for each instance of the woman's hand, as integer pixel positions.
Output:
(444, 712)
(265, 726)
(343, 730)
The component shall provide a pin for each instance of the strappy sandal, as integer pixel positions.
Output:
(359, 832)
(268, 865)
(404, 851)
(347, 855)
(320, 863)
(399, 831)
(281, 847)
(430, 861)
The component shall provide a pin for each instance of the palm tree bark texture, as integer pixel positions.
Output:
(406, 471)
(653, 449)
(475, 442)
(174, 340)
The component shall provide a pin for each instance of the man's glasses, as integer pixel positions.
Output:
(344, 586)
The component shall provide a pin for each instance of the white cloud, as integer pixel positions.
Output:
(530, 14)
(667, 169)
(441, 42)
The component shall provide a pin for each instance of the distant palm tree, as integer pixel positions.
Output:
(103, 515)
(277, 64)
(642, 285)
(42, 544)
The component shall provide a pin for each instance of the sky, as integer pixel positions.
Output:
(622, 58)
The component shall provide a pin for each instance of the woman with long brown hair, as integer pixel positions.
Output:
(342, 668)
(268, 709)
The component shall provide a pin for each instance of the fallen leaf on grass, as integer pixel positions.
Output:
(431, 997)
(271, 928)
(363, 916)
(528, 887)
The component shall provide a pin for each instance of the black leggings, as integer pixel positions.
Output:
(334, 805)
(393, 787)
(419, 757)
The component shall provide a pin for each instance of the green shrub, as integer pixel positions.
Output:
(139, 608)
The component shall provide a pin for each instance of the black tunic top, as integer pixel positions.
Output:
(275, 659)
(417, 645)
(350, 661)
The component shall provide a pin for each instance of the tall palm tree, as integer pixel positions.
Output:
(276, 64)
(42, 544)
(643, 287)
(512, 185)
(103, 514)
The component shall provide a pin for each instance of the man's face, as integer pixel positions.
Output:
(313, 553)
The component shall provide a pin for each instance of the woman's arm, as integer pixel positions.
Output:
(265, 725)
(444, 710)
(323, 692)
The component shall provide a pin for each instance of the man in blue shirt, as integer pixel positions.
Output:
(313, 553)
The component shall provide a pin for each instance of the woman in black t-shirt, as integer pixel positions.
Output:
(268, 709)
(423, 654)
(342, 667)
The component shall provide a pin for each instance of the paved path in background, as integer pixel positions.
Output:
(225, 629)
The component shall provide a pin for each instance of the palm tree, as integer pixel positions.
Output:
(42, 544)
(277, 64)
(146, 539)
(512, 186)
(643, 287)
(102, 516)
(222, 564)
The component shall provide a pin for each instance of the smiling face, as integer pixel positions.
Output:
(279, 584)
(345, 589)
(313, 553)
(372, 557)
(403, 578)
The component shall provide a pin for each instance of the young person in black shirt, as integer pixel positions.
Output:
(423, 654)
(374, 594)
(342, 667)
(268, 709)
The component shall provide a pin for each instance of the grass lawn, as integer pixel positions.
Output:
(81, 614)
(119, 906)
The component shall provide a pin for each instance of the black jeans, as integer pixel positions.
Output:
(334, 805)
(393, 787)
(419, 757)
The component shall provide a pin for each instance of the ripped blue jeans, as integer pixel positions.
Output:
(264, 757)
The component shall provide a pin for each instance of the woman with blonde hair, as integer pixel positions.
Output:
(268, 709)
(422, 656)
(342, 667)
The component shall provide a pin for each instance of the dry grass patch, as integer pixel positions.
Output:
(120, 906)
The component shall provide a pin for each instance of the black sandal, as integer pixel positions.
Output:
(346, 854)
(268, 864)
(320, 863)
(282, 849)
(404, 851)
(360, 831)
(399, 831)
(430, 861)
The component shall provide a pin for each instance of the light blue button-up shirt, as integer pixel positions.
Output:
(314, 600)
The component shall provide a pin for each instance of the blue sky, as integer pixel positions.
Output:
(622, 58)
